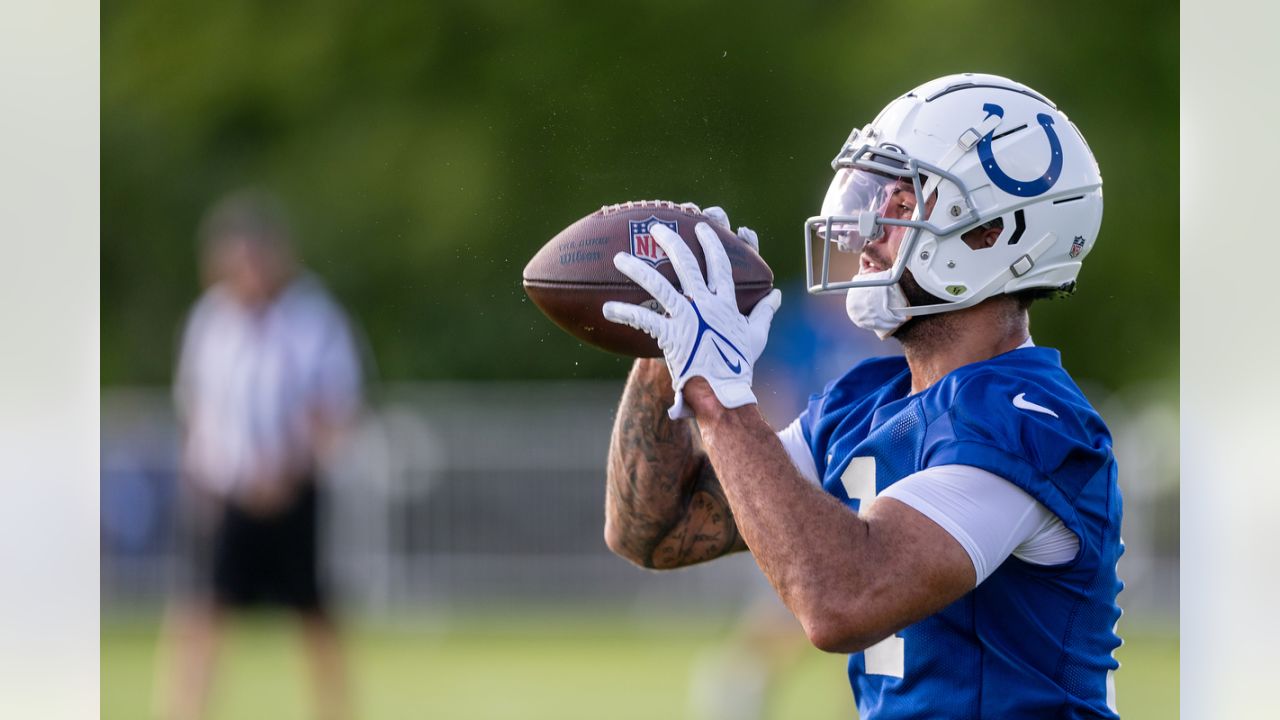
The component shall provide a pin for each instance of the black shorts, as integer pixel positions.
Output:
(268, 560)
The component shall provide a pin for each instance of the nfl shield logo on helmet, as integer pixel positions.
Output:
(643, 245)
(1077, 246)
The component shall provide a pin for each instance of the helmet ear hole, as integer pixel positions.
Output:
(984, 236)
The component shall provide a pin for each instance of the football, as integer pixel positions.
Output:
(573, 275)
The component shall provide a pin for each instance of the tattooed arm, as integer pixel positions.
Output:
(664, 507)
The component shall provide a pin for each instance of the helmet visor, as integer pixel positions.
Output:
(879, 191)
(857, 204)
(863, 205)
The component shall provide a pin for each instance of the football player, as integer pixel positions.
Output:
(949, 518)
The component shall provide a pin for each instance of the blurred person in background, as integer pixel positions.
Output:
(267, 384)
(811, 342)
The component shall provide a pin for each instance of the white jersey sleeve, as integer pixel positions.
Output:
(989, 516)
(792, 437)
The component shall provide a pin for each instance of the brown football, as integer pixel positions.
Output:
(573, 275)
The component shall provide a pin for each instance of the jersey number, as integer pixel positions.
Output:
(888, 656)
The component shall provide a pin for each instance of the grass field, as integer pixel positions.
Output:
(546, 667)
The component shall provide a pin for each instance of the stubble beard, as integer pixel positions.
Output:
(922, 331)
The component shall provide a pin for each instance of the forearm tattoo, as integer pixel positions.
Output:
(664, 502)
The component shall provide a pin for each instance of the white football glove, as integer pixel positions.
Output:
(703, 333)
(716, 214)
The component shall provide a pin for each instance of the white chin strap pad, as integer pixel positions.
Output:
(876, 308)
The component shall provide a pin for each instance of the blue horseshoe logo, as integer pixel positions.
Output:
(1021, 188)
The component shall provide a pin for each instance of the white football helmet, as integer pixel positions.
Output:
(981, 150)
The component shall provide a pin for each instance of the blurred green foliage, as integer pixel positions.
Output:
(428, 149)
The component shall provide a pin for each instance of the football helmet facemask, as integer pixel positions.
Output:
(985, 152)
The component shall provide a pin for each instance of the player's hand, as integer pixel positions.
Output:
(703, 334)
(716, 214)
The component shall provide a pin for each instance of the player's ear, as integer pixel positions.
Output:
(980, 238)
(990, 235)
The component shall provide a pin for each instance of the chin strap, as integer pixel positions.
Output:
(877, 308)
(1027, 261)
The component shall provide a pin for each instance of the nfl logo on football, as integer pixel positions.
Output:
(642, 243)
(1077, 246)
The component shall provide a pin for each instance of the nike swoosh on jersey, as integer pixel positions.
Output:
(1022, 403)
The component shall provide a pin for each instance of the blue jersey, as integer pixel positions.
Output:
(1030, 641)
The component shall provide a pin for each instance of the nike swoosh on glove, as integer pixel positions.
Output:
(703, 334)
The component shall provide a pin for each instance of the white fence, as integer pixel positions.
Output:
(492, 494)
